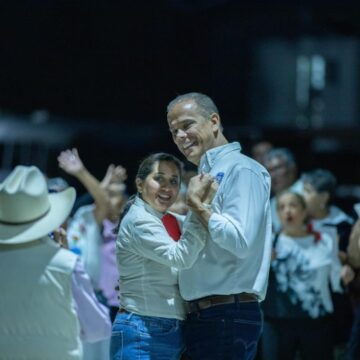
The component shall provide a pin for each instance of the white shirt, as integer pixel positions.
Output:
(304, 270)
(328, 226)
(45, 294)
(148, 259)
(236, 256)
(335, 217)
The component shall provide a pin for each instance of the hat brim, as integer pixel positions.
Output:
(60, 206)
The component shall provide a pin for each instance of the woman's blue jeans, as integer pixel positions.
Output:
(145, 337)
(224, 332)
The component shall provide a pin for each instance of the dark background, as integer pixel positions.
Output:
(99, 74)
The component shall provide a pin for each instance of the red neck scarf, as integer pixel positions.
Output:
(171, 226)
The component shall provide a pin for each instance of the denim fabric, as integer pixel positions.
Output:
(146, 337)
(224, 332)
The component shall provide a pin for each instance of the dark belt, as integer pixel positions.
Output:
(121, 311)
(214, 300)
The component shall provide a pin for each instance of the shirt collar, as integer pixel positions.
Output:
(140, 202)
(208, 159)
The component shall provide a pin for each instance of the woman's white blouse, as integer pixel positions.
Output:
(148, 261)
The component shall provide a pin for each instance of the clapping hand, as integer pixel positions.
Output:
(201, 189)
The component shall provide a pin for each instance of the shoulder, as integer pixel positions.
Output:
(138, 217)
(244, 168)
(324, 241)
(84, 214)
(339, 217)
(64, 260)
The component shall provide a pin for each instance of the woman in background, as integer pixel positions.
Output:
(298, 302)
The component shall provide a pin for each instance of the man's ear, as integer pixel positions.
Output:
(139, 185)
(215, 122)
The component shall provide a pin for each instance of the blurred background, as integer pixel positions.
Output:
(98, 75)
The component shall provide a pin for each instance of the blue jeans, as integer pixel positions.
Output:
(224, 332)
(145, 337)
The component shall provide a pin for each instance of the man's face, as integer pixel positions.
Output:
(191, 131)
(282, 176)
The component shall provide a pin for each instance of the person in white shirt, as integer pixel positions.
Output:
(47, 303)
(150, 250)
(319, 193)
(298, 305)
(229, 276)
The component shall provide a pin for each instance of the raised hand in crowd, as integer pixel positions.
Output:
(114, 175)
(70, 162)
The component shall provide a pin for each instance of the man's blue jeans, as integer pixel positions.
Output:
(224, 332)
(145, 337)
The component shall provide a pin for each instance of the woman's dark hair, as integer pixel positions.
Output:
(147, 165)
(145, 168)
(321, 180)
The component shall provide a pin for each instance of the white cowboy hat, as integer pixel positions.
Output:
(27, 211)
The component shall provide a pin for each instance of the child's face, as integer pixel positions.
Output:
(291, 211)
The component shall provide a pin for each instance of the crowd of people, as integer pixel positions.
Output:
(244, 259)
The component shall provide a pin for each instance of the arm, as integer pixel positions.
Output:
(70, 162)
(353, 249)
(148, 237)
(244, 212)
(93, 317)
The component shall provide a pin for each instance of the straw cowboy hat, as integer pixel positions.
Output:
(27, 211)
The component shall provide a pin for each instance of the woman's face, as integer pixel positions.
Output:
(314, 200)
(291, 211)
(161, 187)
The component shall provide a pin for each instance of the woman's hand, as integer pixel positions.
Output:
(201, 189)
